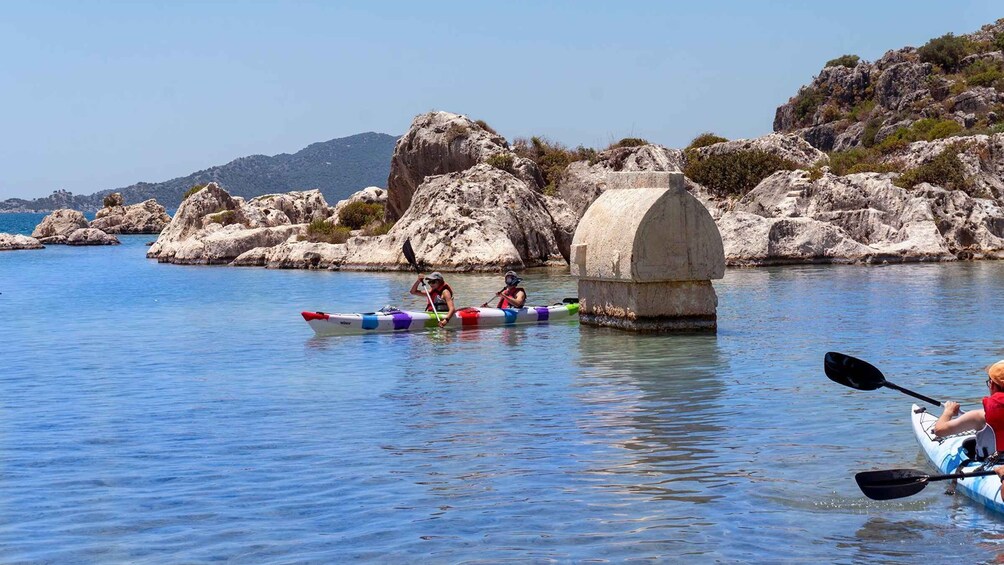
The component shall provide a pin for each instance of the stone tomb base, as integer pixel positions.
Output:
(684, 306)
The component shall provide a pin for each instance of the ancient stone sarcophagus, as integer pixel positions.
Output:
(645, 253)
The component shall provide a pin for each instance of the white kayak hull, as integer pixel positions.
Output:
(325, 324)
(947, 454)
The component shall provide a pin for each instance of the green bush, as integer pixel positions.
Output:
(945, 51)
(998, 42)
(320, 231)
(552, 158)
(705, 139)
(983, 73)
(455, 132)
(806, 103)
(736, 173)
(861, 109)
(629, 142)
(484, 125)
(380, 227)
(849, 61)
(502, 161)
(109, 201)
(860, 160)
(355, 215)
(224, 217)
(945, 170)
(871, 130)
(192, 190)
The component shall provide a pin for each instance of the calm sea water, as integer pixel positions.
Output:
(155, 413)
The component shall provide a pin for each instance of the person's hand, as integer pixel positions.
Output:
(951, 408)
(442, 323)
(485, 305)
(420, 277)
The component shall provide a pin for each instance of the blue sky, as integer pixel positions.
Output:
(100, 95)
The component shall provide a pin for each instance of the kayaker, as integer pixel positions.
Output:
(513, 295)
(987, 423)
(440, 295)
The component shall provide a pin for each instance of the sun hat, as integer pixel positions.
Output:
(996, 372)
(434, 276)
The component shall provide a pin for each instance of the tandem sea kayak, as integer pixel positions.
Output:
(391, 321)
(948, 453)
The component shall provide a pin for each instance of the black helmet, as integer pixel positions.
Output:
(512, 279)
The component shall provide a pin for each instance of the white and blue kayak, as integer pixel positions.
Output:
(392, 320)
(947, 454)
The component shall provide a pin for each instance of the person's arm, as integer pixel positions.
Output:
(448, 297)
(970, 421)
(414, 288)
(519, 300)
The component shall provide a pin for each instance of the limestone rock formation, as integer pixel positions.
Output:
(479, 219)
(212, 227)
(297, 207)
(441, 142)
(790, 147)
(846, 104)
(144, 217)
(294, 255)
(369, 195)
(57, 226)
(861, 217)
(91, 236)
(13, 242)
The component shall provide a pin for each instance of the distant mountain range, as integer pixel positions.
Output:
(338, 168)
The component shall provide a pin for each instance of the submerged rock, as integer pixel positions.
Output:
(14, 242)
(57, 226)
(91, 236)
(294, 255)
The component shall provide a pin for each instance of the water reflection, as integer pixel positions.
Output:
(661, 395)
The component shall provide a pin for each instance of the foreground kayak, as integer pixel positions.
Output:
(947, 454)
(401, 321)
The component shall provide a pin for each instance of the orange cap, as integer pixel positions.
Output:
(996, 372)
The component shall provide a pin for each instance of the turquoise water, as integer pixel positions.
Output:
(156, 413)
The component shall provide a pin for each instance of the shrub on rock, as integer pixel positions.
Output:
(945, 51)
(945, 170)
(705, 139)
(735, 173)
(320, 231)
(356, 215)
(849, 61)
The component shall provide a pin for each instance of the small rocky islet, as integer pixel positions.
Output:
(901, 159)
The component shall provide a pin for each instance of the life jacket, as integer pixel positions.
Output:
(991, 437)
(438, 300)
(507, 295)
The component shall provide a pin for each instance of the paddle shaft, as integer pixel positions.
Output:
(931, 478)
(916, 395)
(409, 254)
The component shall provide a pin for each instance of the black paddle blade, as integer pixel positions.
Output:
(852, 372)
(409, 254)
(892, 483)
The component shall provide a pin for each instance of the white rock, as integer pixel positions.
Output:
(13, 242)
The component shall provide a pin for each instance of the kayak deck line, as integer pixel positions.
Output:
(389, 321)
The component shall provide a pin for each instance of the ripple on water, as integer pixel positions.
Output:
(155, 413)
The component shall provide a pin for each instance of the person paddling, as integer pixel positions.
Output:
(440, 296)
(987, 423)
(513, 295)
